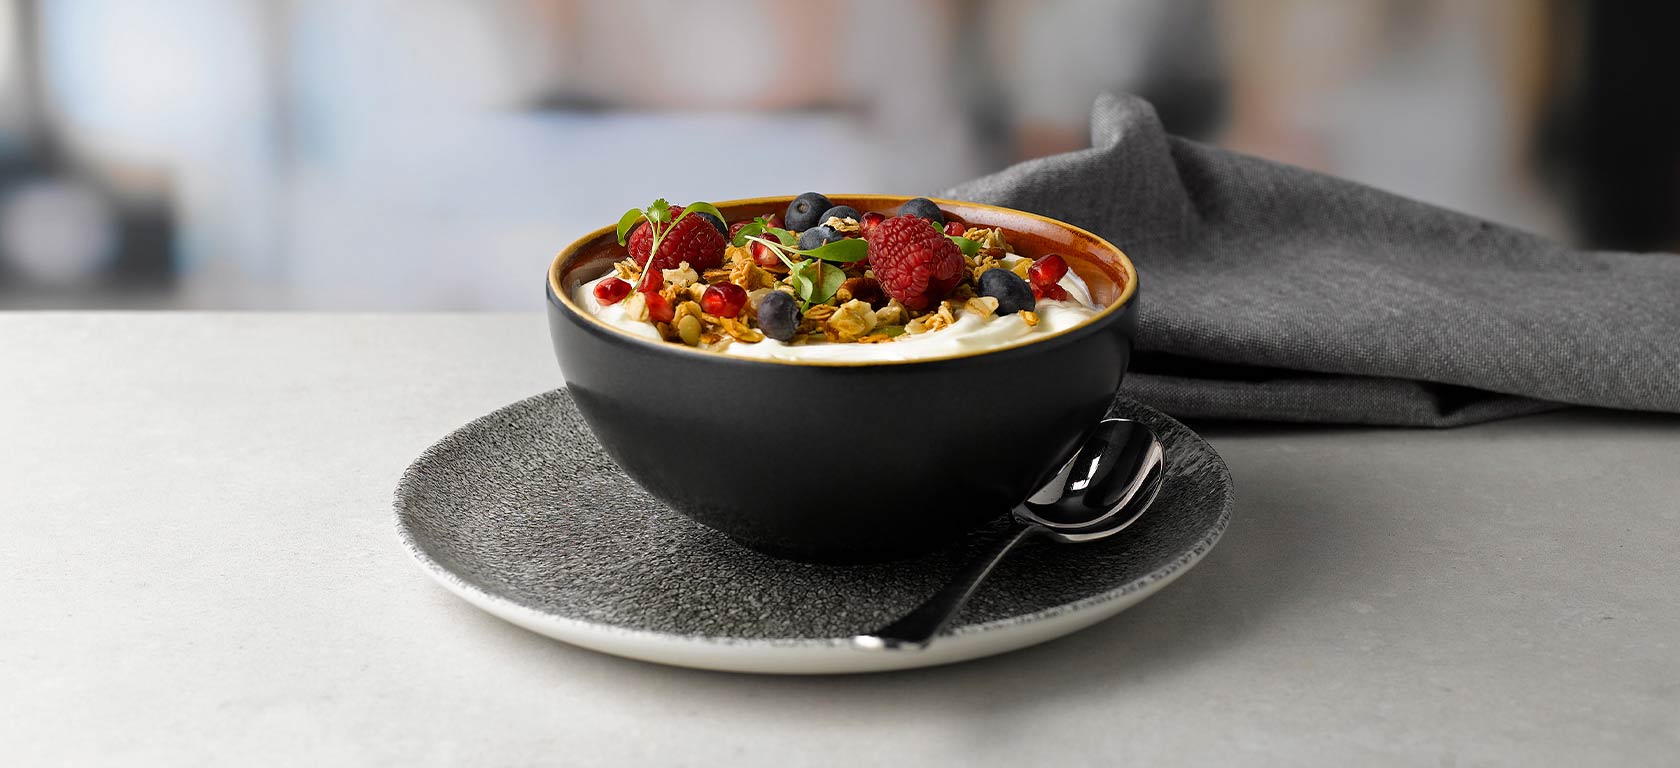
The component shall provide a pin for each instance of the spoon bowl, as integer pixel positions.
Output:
(1102, 490)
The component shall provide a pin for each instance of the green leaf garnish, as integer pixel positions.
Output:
(804, 283)
(842, 251)
(787, 237)
(967, 246)
(701, 207)
(814, 282)
(628, 222)
(833, 278)
(889, 331)
(659, 212)
(753, 228)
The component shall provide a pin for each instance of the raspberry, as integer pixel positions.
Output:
(914, 262)
(694, 240)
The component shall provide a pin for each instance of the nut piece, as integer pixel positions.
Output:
(682, 277)
(751, 276)
(852, 321)
(847, 224)
(1030, 317)
(740, 331)
(990, 239)
(891, 314)
(984, 306)
(636, 307)
(820, 312)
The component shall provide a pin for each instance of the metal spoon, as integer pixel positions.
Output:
(1104, 488)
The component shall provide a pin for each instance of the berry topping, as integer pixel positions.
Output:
(1047, 270)
(955, 228)
(922, 208)
(840, 212)
(693, 239)
(735, 229)
(869, 221)
(1012, 293)
(659, 308)
(1050, 291)
(723, 299)
(778, 316)
(802, 213)
(764, 255)
(914, 262)
(611, 291)
(818, 236)
(716, 222)
(650, 282)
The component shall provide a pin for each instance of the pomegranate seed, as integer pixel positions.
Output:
(870, 219)
(774, 220)
(735, 229)
(723, 299)
(764, 255)
(611, 291)
(1049, 291)
(651, 282)
(659, 309)
(955, 228)
(1047, 270)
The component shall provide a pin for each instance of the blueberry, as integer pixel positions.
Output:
(803, 211)
(1013, 293)
(716, 222)
(842, 212)
(924, 208)
(818, 236)
(778, 315)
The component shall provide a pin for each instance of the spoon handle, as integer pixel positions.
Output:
(919, 626)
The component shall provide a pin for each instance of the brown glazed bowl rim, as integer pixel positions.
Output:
(566, 260)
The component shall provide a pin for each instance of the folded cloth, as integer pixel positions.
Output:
(1273, 293)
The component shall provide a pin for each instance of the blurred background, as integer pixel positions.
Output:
(433, 154)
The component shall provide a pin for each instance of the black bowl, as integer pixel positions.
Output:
(845, 462)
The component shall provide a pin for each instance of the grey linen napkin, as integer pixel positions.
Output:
(1274, 293)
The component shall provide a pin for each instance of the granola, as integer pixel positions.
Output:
(719, 296)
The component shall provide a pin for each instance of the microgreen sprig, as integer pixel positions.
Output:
(813, 282)
(660, 223)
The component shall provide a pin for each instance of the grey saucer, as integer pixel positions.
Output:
(521, 513)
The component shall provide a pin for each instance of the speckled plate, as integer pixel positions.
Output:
(523, 514)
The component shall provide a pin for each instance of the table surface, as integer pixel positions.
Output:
(202, 567)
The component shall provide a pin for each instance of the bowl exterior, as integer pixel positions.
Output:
(841, 463)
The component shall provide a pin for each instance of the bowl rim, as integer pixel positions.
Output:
(562, 298)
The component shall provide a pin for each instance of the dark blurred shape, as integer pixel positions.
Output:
(65, 233)
(1628, 153)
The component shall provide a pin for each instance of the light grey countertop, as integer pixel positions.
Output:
(201, 567)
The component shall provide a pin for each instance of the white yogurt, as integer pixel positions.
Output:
(970, 333)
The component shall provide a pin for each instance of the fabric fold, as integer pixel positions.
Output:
(1275, 293)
